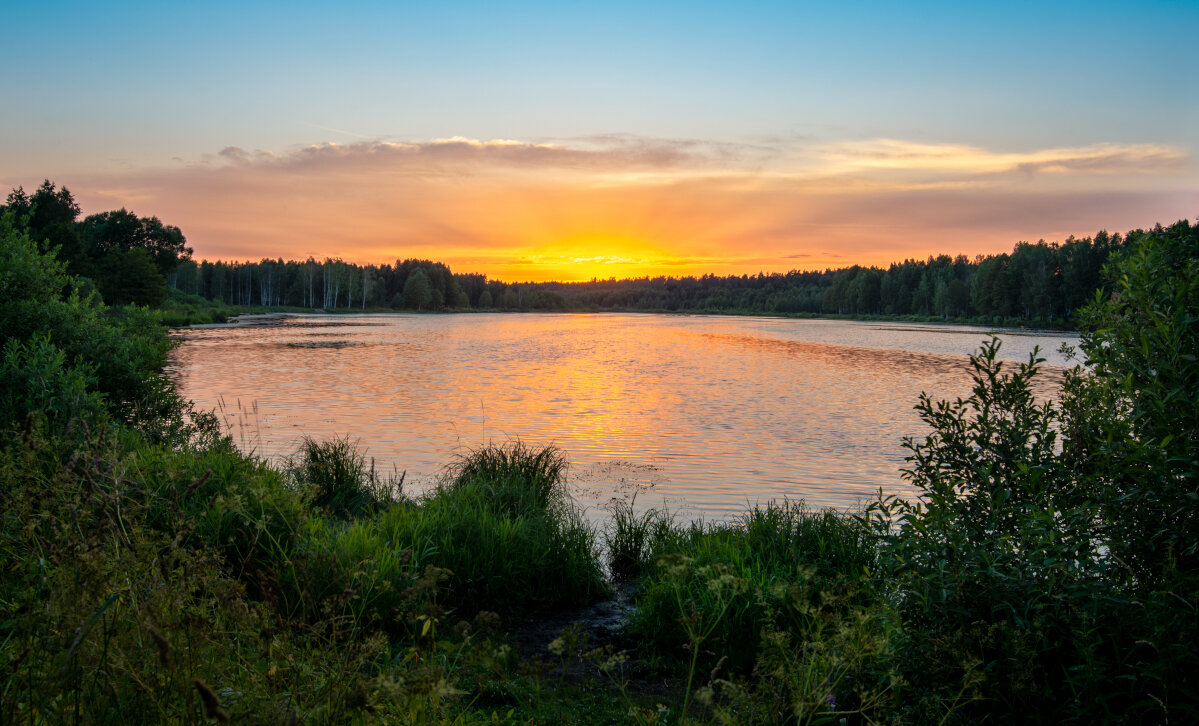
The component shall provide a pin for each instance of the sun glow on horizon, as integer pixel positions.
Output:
(592, 256)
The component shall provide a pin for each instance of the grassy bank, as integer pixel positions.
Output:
(152, 572)
(203, 584)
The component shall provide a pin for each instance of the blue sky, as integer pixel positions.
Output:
(127, 103)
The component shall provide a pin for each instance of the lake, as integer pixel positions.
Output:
(702, 414)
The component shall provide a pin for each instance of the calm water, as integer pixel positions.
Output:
(704, 414)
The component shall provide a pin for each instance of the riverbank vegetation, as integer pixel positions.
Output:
(128, 259)
(155, 573)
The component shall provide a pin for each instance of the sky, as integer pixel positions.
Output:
(567, 140)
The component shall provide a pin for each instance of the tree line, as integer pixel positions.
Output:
(1039, 283)
(129, 259)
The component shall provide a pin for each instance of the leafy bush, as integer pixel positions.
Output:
(121, 351)
(36, 379)
(1051, 565)
(1137, 416)
(985, 560)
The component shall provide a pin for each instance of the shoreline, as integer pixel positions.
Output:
(273, 317)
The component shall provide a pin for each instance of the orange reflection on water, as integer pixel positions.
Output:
(702, 414)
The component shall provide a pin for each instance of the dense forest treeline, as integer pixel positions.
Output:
(1039, 283)
(128, 259)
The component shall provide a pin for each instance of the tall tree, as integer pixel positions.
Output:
(418, 292)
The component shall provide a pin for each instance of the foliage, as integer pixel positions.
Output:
(1142, 403)
(771, 566)
(127, 277)
(516, 477)
(336, 477)
(37, 380)
(629, 538)
(511, 540)
(123, 231)
(126, 257)
(987, 562)
(1050, 566)
(119, 351)
(418, 292)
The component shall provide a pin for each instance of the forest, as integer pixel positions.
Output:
(129, 259)
(1037, 283)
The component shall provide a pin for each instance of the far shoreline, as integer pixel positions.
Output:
(266, 316)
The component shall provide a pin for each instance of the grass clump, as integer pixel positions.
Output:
(334, 474)
(521, 479)
(506, 531)
(630, 538)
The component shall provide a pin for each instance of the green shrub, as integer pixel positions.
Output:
(122, 350)
(986, 561)
(1137, 418)
(36, 379)
(1047, 567)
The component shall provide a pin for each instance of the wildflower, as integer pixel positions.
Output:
(614, 661)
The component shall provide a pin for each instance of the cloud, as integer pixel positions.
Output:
(897, 155)
(521, 209)
(457, 155)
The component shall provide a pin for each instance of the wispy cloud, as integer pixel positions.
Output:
(457, 154)
(897, 155)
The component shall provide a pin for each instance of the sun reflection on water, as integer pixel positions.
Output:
(705, 415)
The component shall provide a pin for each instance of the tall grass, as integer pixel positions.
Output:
(630, 538)
(335, 475)
(505, 528)
(520, 478)
(740, 598)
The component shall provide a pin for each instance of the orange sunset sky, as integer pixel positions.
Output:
(546, 142)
